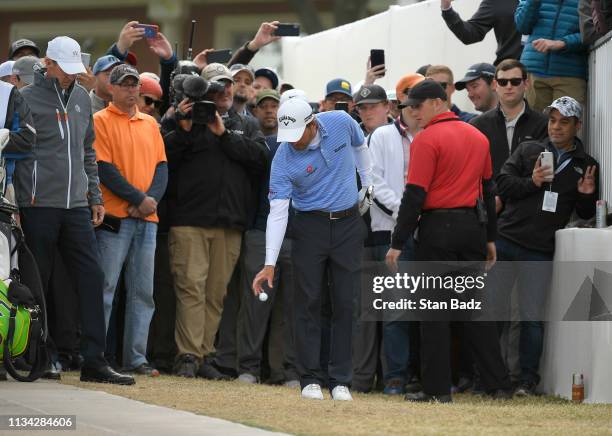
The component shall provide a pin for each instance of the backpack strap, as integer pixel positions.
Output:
(36, 344)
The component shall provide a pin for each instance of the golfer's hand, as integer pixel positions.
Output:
(391, 259)
(265, 275)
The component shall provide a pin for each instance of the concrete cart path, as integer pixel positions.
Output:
(100, 413)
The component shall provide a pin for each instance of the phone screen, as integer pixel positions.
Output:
(86, 59)
(150, 30)
(342, 106)
(377, 57)
(287, 29)
(219, 56)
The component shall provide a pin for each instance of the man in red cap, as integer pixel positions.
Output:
(150, 96)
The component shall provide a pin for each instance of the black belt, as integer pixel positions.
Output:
(463, 210)
(334, 215)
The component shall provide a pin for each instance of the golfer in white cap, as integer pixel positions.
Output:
(60, 202)
(314, 168)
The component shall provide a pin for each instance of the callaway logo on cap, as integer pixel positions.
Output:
(285, 119)
(293, 116)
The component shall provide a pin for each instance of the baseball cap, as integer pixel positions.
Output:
(67, 53)
(339, 85)
(150, 75)
(268, 74)
(6, 68)
(424, 90)
(370, 94)
(236, 68)
(406, 83)
(476, 71)
(567, 106)
(267, 93)
(24, 68)
(293, 93)
(293, 116)
(150, 86)
(391, 95)
(121, 72)
(105, 63)
(21, 43)
(215, 72)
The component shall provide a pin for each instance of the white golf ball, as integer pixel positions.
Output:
(263, 296)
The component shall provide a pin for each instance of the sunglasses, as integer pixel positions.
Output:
(149, 101)
(514, 82)
(443, 85)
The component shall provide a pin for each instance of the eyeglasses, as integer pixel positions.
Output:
(516, 81)
(129, 85)
(149, 101)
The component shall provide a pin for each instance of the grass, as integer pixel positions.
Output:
(281, 409)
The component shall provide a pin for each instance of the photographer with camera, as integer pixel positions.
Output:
(216, 158)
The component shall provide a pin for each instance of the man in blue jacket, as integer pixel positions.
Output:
(554, 55)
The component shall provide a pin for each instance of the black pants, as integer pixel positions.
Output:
(161, 345)
(456, 237)
(70, 231)
(321, 243)
(255, 315)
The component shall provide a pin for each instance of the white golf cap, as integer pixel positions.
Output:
(67, 53)
(293, 116)
(293, 93)
(6, 68)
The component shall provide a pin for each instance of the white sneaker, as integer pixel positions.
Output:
(341, 393)
(312, 392)
(247, 378)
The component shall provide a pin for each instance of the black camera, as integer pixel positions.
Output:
(195, 88)
(203, 112)
(215, 87)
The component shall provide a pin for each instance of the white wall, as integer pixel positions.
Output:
(411, 36)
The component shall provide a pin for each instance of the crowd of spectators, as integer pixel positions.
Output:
(144, 195)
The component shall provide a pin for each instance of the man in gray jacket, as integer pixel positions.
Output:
(59, 198)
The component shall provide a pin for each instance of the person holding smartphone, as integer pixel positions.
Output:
(535, 208)
(337, 91)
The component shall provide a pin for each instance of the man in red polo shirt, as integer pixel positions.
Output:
(450, 166)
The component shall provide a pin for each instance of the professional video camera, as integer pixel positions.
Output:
(195, 88)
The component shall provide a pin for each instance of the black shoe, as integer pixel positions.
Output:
(525, 390)
(422, 397)
(208, 371)
(413, 386)
(54, 372)
(463, 385)
(186, 366)
(3, 376)
(105, 374)
(231, 373)
(501, 394)
(144, 369)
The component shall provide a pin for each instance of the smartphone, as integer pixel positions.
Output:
(219, 56)
(150, 29)
(110, 224)
(86, 59)
(287, 29)
(203, 112)
(377, 57)
(342, 106)
(546, 160)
